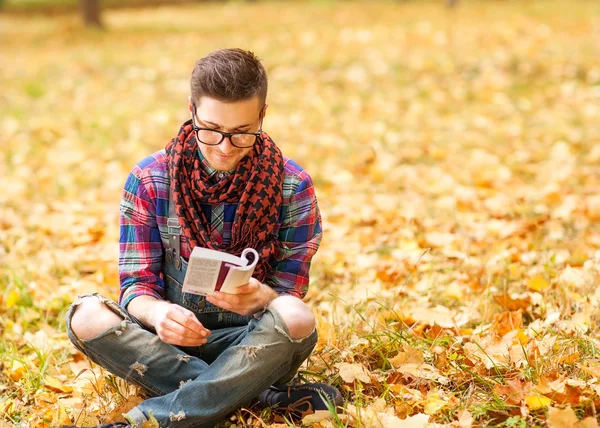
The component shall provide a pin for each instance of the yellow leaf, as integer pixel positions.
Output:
(313, 418)
(434, 403)
(53, 384)
(351, 372)
(537, 401)
(537, 283)
(522, 337)
(13, 298)
(17, 370)
(327, 333)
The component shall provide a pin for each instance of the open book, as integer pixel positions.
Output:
(210, 270)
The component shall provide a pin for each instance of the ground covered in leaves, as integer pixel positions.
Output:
(456, 156)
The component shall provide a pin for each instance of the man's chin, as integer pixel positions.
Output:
(223, 164)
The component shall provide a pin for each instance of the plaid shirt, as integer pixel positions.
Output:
(143, 232)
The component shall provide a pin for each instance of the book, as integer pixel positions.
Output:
(211, 270)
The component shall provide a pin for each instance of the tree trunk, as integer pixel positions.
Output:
(91, 13)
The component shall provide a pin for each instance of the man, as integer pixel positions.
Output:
(223, 184)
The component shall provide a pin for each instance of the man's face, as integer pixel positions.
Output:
(241, 116)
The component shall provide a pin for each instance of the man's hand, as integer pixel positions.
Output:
(249, 298)
(177, 325)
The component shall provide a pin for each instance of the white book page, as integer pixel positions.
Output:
(201, 276)
(207, 253)
(240, 275)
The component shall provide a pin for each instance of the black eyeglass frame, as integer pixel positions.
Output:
(225, 134)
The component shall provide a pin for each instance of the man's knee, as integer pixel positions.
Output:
(91, 317)
(298, 317)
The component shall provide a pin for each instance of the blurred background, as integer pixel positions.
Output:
(455, 149)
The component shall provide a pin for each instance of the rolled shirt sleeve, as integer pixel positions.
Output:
(140, 246)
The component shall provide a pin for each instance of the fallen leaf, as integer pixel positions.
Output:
(423, 371)
(434, 403)
(559, 418)
(13, 297)
(537, 283)
(56, 385)
(537, 401)
(507, 321)
(317, 416)
(409, 354)
(17, 370)
(513, 302)
(350, 372)
(419, 420)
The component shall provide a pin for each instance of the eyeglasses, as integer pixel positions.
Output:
(213, 137)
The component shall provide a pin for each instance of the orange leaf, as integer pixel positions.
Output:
(558, 418)
(507, 322)
(17, 370)
(512, 303)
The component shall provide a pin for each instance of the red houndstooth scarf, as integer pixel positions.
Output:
(256, 185)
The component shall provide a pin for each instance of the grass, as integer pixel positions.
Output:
(455, 155)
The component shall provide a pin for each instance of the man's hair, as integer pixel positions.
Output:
(229, 75)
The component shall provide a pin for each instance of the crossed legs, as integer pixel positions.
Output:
(269, 350)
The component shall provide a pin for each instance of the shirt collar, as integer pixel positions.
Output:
(209, 169)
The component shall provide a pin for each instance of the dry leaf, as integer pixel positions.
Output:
(434, 403)
(417, 421)
(423, 371)
(317, 416)
(409, 354)
(56, 385)
(350, 372)
(513, 302)
(506, 322)
(559, 418)
(17, 370)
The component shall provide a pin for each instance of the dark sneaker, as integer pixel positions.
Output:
(111, 425)
(300, 400)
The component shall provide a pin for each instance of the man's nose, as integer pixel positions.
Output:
(226, 146)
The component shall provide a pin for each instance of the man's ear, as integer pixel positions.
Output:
(190, 106)
(263, 113)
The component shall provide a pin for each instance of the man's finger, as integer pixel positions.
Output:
(172, 337)
(188, 320)
(181, 331)
(249, 288)
(232, 299)
(221, 301)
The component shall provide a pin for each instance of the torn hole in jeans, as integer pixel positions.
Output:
(139, 368)
(252, 350)
(183, 357)
(177, 417)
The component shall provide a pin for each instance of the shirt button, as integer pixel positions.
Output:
(220, 175)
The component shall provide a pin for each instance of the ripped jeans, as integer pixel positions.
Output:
(196, 386)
